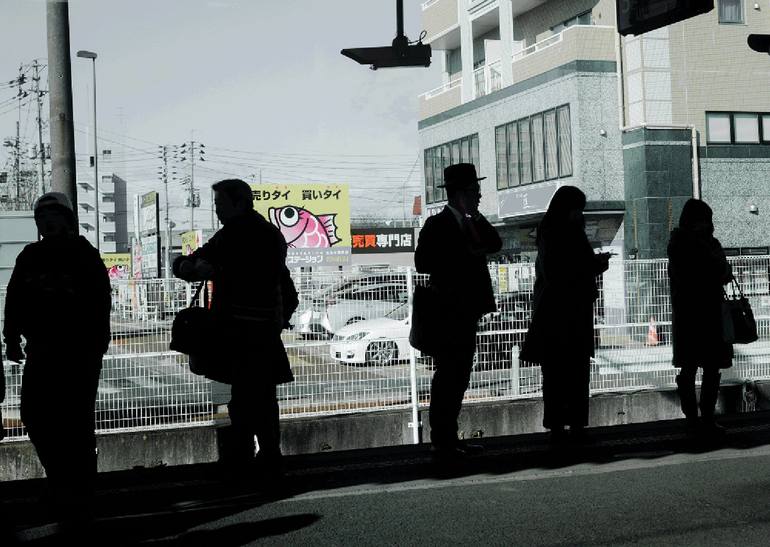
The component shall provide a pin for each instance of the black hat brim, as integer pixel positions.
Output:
(445, 184)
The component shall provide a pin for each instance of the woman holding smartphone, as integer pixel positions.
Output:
(561, 336)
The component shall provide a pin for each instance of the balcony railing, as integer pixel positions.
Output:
(487, 79)
(441, 98)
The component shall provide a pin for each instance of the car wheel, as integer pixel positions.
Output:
(353, 320)
(381, 353)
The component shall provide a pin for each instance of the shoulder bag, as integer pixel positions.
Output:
(738, 323)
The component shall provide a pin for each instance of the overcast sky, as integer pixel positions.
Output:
(261, 84)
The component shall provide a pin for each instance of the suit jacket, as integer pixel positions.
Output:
(455, 258)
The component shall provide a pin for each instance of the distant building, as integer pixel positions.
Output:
(17, 229)
(543, 93)
(113, 207)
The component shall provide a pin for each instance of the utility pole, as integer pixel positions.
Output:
(164, 178)
(41, 152)
(60, 89)
(17, 168)
(194, 148)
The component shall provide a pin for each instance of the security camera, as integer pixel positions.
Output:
(399, 54)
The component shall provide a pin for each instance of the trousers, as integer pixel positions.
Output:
(253, 412)
(58, 400)
(450, 380)
(565, 392)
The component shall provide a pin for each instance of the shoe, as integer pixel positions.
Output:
(579, 435)
(558, 436)
(711, 430)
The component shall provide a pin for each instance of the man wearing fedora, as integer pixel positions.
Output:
(452, 248)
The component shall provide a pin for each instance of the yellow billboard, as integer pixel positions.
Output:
(118, 265)
(191, 241)
(313, 218)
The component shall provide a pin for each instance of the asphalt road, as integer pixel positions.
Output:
(639, 485)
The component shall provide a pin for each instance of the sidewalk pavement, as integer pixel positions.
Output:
(636, 485)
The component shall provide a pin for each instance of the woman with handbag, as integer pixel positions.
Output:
(698, 271)
(561, 334)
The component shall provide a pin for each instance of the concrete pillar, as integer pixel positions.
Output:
(466, 50)
(506, 41)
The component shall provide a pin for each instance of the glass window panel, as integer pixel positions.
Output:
(475, 152)
(446, 156)
(512, 135)
(746, 127)
(501, 147)
(718, 127)
(525, 158)
(456, 152)
(564, 129)
(766, 128)
(465, 150)
(551, 154)
(428, 169)
(731, 11)
(538, 158)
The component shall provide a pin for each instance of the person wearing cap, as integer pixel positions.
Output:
(453, 247)
(59, 299)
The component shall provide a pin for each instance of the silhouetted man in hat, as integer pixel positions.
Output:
(452, 248)
(59, 300)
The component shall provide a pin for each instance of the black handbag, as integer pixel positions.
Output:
(425, 330)
(195, 332)
(738, 323)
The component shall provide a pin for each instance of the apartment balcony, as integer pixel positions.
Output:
(441, 23)
(441, 99)
(576, 43)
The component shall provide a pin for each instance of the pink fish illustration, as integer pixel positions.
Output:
(117, 272)
(303, 229)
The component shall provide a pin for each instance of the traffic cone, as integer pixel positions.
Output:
(652, 333)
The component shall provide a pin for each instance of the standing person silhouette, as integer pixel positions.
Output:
(452, 248)
(59, 300)
(698, 270)
(560, 335)
(246, 260)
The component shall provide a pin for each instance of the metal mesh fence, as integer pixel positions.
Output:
(349, 346)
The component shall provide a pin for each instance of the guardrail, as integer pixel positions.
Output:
(350, 353)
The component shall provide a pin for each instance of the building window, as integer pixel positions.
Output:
(582, 19)
(766, 128)
(535, 148)
(746, 128)
(730, 11)
(524, 152)
(464, 150)
(737, 127)
(718, 128)
(564, 128)
(551, 151)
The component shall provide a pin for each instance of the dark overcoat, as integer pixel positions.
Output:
(564, 294)
(457, 264)
(249, 259)
(698, 271)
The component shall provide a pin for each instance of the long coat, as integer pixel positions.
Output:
(457, 264)
(249, 258)
(562, 306)
(698, 270)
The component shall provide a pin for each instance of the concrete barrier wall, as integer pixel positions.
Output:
(123, 451)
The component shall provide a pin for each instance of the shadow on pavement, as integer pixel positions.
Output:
(163, 506)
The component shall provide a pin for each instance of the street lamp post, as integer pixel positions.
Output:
(83, 54)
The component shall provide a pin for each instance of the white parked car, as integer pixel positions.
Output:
(378, 342)
(357, 299)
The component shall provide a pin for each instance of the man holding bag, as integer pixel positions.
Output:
(452, 248)
(246, 260)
